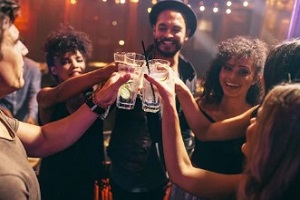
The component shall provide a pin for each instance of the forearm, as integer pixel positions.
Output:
(58, 135)
(202, 183)
(195, 118)
(229, 128)
(73, 86)
(203, 128)
(177, 159)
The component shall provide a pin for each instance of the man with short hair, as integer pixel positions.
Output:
(135, 149)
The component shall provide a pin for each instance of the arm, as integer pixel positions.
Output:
(53, 137)
(205, 130)
(197, 181)
(74, 86)
(47, 97)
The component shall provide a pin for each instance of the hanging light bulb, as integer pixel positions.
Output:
(228, 3)
(228, 11)
(245, 3)
(73, 2)
(215, 8)
(201, 6)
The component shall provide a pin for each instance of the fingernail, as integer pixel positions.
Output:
(145, 75)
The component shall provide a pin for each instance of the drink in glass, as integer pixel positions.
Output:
(158, 69)
(128, 91)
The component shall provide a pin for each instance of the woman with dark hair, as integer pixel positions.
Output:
(231, 87)
(71, 174)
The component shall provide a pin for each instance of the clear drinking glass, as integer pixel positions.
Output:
(158, 69)
(128, 91)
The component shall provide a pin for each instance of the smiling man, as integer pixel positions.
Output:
(137, 163)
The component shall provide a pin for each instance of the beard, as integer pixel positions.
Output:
(164, 53)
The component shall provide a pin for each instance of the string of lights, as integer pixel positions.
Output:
(202, 5)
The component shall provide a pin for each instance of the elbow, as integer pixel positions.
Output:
(179, 174)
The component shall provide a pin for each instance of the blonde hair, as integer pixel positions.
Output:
(272, 169)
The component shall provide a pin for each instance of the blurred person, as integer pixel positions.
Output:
(22, 104)
(272, 147)
(19, 139)
(283, 64)
(71, 173)
(135, 147)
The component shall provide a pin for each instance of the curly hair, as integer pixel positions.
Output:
(283, 63)
(64, 40)
(239, 46)
(11, 9)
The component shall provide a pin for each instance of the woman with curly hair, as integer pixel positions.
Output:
(71, 174)
(232, 86)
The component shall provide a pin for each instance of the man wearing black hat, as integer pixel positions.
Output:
(135, 148)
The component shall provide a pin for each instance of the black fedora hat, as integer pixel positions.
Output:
(188, 14)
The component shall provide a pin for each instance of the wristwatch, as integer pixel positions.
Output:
(101, 112)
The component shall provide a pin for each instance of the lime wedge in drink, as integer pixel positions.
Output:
(124, 92)
(163, 79)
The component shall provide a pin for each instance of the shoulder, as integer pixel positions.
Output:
(186, 68)
(32, 65)
(12, 187)
(12, 123)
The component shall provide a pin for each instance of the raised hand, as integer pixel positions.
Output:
(107, 94)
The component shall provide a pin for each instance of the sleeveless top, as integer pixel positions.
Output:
(81, 163)
(219, 156)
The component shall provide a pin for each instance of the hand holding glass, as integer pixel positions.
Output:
(159, 69)
(128, 92)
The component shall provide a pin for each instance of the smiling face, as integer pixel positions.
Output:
(68, 66)
(11, 64)
(236, 77)
(169, 32)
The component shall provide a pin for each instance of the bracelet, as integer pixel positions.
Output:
(94, 99)
(92, 103)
